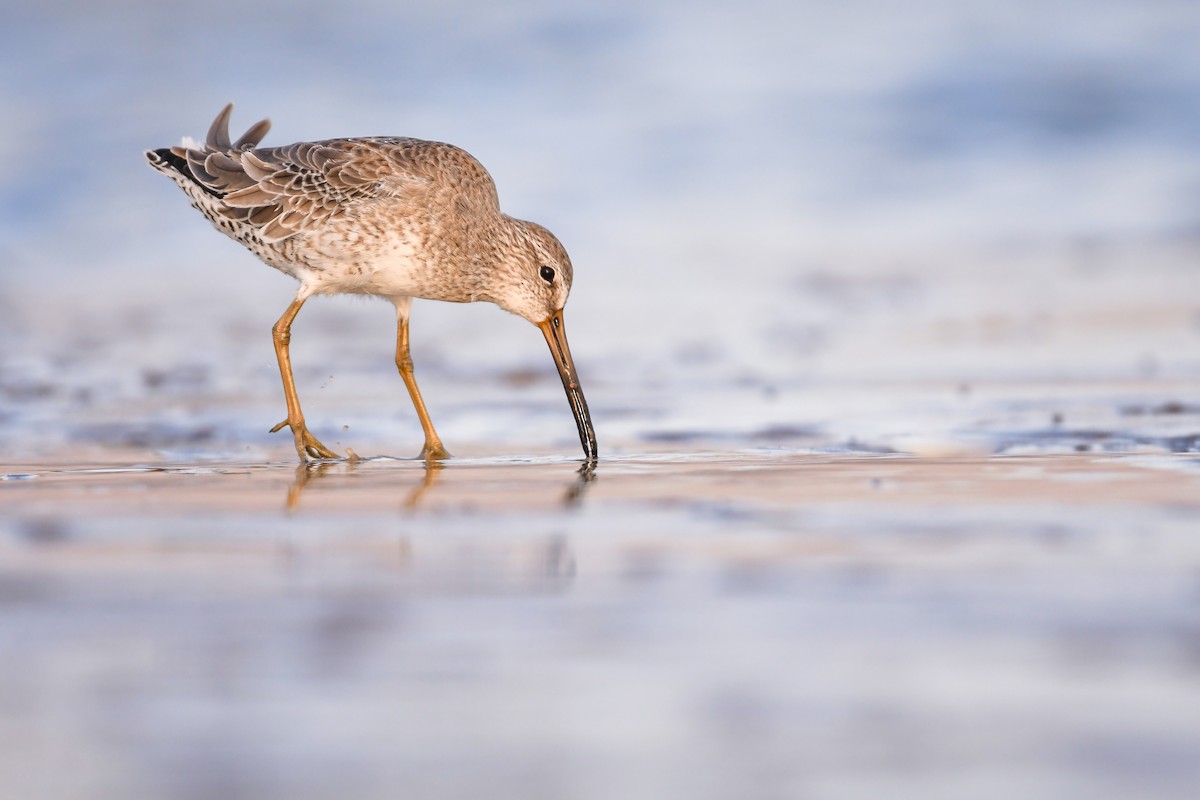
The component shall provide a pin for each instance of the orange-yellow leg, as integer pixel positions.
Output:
(307, 445)
(433, 449)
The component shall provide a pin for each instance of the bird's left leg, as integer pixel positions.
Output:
(307, 445)
(433, 450)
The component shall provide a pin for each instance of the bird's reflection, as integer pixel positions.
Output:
(313, 471)
(309, 471)
(432, 469)
(584, 476)
(441, 562)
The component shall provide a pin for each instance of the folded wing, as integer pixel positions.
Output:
(284, 191)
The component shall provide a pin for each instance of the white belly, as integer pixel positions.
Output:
(341, 262)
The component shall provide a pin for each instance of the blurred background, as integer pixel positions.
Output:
(809, 238)
(769, 206)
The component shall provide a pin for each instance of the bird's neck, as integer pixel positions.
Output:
(491, 251)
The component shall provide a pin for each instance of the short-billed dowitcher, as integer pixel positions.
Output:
(388, 216)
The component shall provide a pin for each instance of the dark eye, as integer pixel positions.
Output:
(547, 274)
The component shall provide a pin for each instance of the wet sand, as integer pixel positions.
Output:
(743, 623)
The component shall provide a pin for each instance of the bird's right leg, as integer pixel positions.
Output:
(433, 450)
(307, 445)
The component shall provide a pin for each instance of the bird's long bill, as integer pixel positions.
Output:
(556, 337)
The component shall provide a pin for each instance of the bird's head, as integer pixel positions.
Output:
(533, 281)
(533, 278)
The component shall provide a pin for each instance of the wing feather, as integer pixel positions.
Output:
(283, 191)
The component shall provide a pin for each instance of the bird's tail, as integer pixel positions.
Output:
(187, 160)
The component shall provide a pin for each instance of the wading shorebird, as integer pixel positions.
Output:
(382, 215)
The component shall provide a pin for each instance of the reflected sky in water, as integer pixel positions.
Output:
(867, 624)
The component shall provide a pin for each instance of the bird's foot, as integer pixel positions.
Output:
(434, 451)
(307, 445)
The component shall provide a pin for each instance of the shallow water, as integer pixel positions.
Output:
(701, 624)
(887, 315)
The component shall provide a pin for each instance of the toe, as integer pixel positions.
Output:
(434, 451)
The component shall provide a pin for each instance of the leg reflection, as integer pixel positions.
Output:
(313, 471)
(432, 468)
(310, 471)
